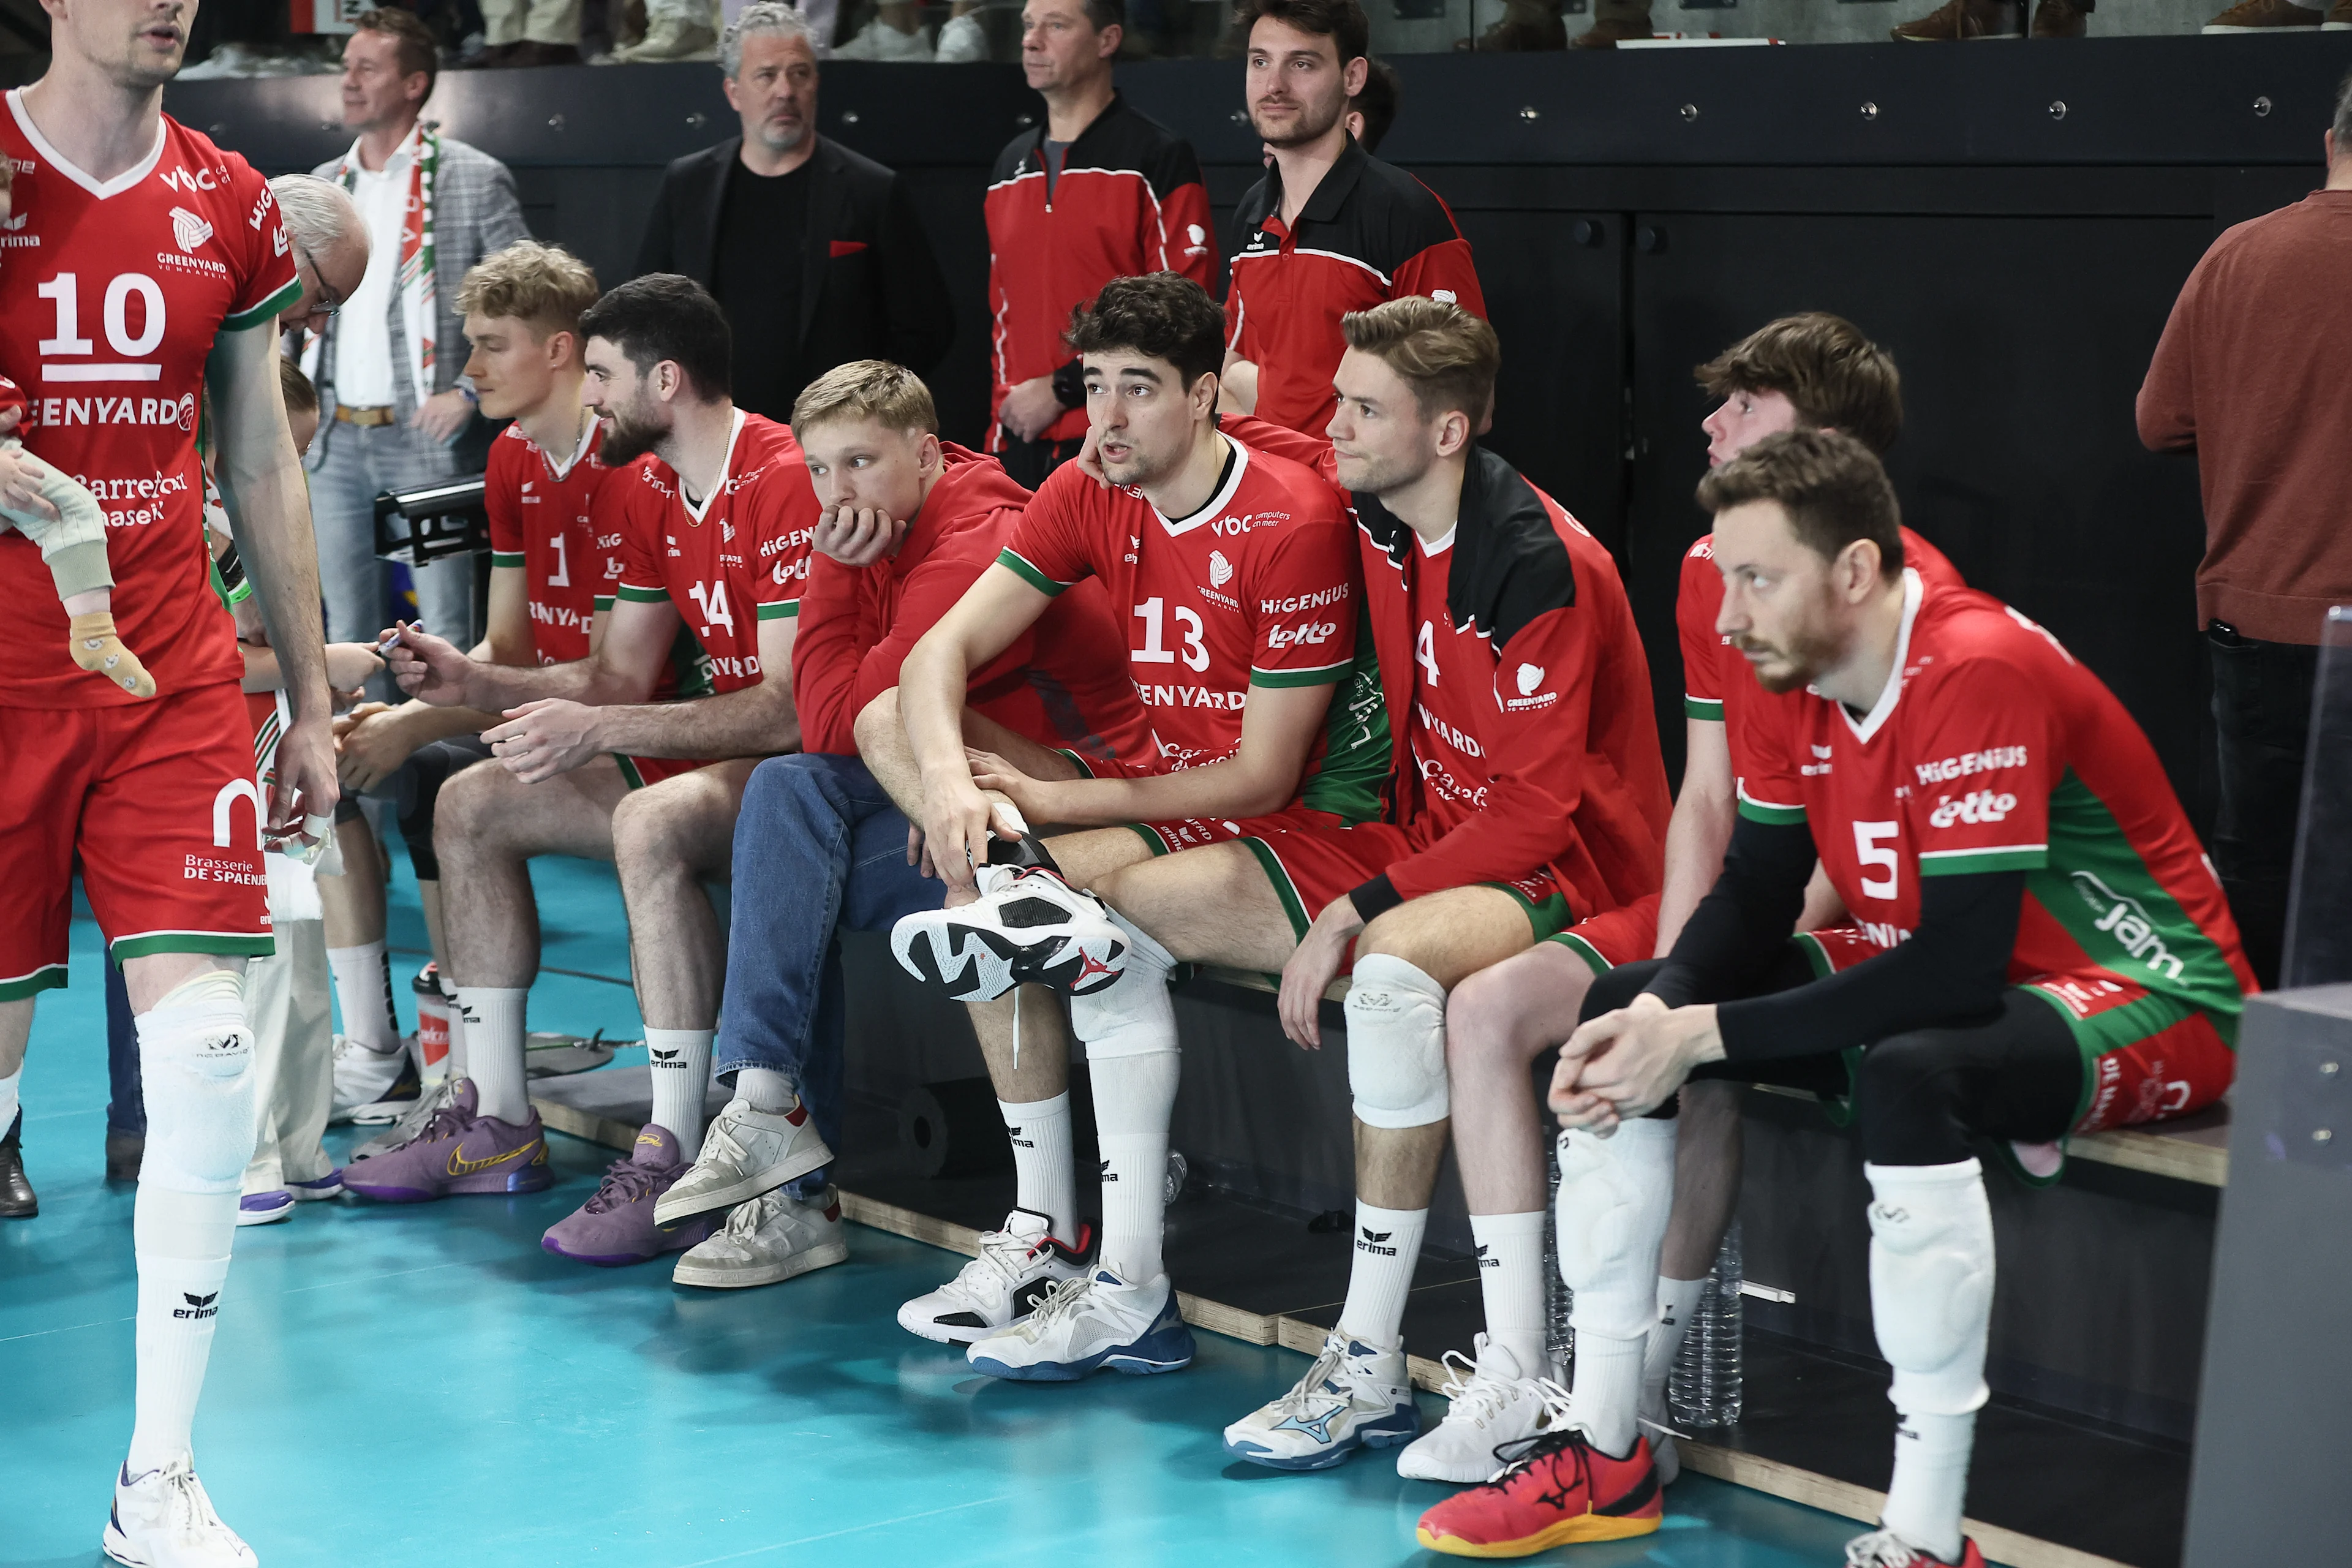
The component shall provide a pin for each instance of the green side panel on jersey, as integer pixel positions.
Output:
(1709, 709)
(1357, 745)
(1028, 573)
(629, 774)
(692, 667)
(2099, 888)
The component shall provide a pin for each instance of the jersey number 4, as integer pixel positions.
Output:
(1152, 613)
(710, 598)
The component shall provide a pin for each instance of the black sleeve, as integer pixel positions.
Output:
(654, 251)
(1745, 917)
(914, 294)
(1952, 971)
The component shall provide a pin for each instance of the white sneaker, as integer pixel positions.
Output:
(1495, 1401)
(772, 1238)
(962, 41)
(1086, 1323)
(1352, 1398)
(878, 41)
(411, 1123)
(1027, 927)
(371, 1086)
(745, 1153)
(1885, 1548)
(1018, 1267)
(1658, 1425)
(671, 39)
(163, 1520)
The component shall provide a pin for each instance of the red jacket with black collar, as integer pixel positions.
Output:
(1128, 201)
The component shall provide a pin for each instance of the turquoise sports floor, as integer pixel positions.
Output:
(405, 1385)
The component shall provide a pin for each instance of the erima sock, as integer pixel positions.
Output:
(1925, 1500)
(1677, 1299)
(95, 646)
(1129, 1031)
(1388, 1245)
(181, 1241)
(8, 1101)
(1045, 1173)
(1511, 1282)
(493, 1017)
(763, 1088)
(681, 1062)
(363, 987)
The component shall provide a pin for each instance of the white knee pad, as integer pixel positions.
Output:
(1396, 1044)
(1615, 1193)
(1134, 1016)
(1931, 1274)
(195, 1059)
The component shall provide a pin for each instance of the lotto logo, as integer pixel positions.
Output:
(1977, 806)
(1306, 635)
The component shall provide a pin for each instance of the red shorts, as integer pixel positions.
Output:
(639, 772)
(1614, 937)
(2145, 1057)
(159, 803)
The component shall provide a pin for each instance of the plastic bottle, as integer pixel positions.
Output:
(1559, 1340)
(1703, 1389)
(432, 1012)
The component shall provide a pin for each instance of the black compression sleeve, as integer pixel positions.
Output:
(1952, 971)
(1744, 918)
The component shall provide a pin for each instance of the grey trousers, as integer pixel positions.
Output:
(286, 1004)
(353, 464)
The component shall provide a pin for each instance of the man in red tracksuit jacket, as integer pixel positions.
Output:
(910, 522)
(1330, 228)
(1095, 192)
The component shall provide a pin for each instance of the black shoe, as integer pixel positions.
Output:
(123, 1151)
(16, 1199)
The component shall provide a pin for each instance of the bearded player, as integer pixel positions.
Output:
(2058, 960)
(149, 268)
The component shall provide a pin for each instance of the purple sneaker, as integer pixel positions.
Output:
(457, 1151)
(616, 1225)
(265, 1208)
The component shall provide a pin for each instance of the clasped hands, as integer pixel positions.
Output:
(1626, 1063)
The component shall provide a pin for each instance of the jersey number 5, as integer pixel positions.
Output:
(1868, 851)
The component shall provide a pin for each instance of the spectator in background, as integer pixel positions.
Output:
(530, 33)
(1329, 229)
(1374, 108)
(2250, 376)
(1095, 193)
(391, 400)
(814, 253)
(330, 250)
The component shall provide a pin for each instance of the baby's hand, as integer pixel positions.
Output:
(21, 477)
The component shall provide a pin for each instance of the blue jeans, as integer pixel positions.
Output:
(818, 848)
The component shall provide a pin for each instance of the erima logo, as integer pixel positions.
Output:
(1106, 1172)
(1488, 1261)
(189, 230)
(1370, 1240)
(13, 224)
(197, 1306)
(1018, 1141)
(1821, 752)
(1221, 570)
(1530, 676)
(666, 1058)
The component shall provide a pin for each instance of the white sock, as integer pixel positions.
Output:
(494, 1013)
(363, 987)
(682, 1059)
(1931, 1280)
(1614, 1197)
(181, 1241)
(1511, 1282)
(8, 1101)
(1677, 1299)
(1129, 1031)
(456, 1063)
(1387, 1247)
(763, 1089)
(1045, 1173)
(1925, 1500)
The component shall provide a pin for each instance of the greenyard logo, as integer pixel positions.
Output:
(2128, 921)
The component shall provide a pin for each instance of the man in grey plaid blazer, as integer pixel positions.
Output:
(394, 400)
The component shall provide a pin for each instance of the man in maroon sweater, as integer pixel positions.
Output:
(2249, 376)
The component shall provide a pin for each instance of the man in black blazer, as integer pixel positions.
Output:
(815, 252)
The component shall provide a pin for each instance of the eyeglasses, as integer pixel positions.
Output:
(328, 304)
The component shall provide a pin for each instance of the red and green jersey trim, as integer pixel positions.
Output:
(789, 609)
(277, 305)
(634, 594)
(1771, 814)
(1321, 675)
(1011, 560)
(1708, 707)
(505, 558)
(1993, 857)
(48, 977)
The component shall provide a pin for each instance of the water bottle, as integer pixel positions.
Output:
(1178, 1170)
(1703, 1389)
(1559, 1340)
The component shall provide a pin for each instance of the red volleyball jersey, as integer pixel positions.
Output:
(1992, 750)
(556, 521)
(738, 557)
(111, 295)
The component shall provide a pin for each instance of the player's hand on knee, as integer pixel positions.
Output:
(542, 739)
(957, 826)
(1313, 967)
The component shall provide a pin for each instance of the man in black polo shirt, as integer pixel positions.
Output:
(1097, 192)
(814, 253)
(1330, 228)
